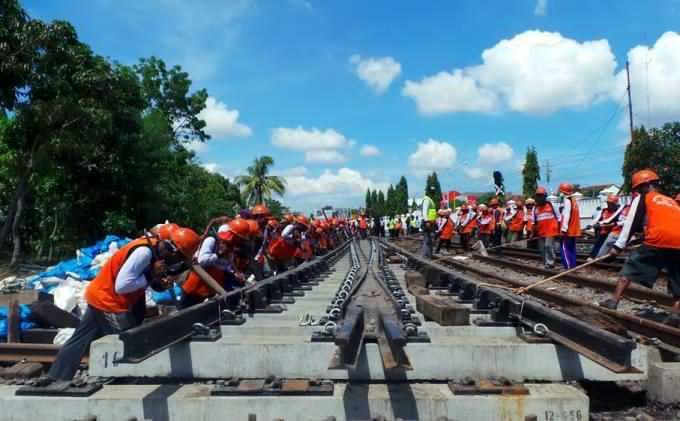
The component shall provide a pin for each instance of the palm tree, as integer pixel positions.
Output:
(257, 185)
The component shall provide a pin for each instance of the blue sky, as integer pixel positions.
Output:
(347, 95)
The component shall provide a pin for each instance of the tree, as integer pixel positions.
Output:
(658, 149)
(390, 202)
(380, 200)
(377, 208)
(433, 181)
(401, 192)
(276, 208)
(257, 184)
(369, 204)
(531, 172)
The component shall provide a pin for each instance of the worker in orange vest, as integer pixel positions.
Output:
(485, 223)
(605, 223)
(216, 255)
(281, 251)
(515, 221)
(466, 224)
(545, 221)
(116, 296)
(657, 218)
(615, 231)
(570, 225)
(363, 225)
(529, 222)
(445, 229)
(498, 215)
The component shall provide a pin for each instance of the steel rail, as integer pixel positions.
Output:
(38, 353)
(141, 342)
(601, 346)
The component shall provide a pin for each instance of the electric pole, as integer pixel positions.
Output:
(630, 101)
(548, 172)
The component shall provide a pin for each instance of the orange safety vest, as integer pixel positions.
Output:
(280, 250)
(363, 224)
(195, 287)
(517, 222)
(662, 229)
(447, 230)
(530, 220)
(471, 225)
(574, 227)
(101, 293)
(546, 221)
(486, 223)
(606, 214)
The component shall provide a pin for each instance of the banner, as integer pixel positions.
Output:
(453, 195)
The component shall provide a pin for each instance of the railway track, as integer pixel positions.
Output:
(641, 328)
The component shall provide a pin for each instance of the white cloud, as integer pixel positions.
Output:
(211, 167)
(302, 139)
(476, 172)
(345, 180)
(450, 92)
(377, 72)
(432, 155)
(326, 156)
(533, 72)
(655, 80)
(541, 7)
(196, 146)
(325, 146)
(222, 122)
(493, 153)
(369, 150)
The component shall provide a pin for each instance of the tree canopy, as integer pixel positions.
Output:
(531, 172)
(658, 149)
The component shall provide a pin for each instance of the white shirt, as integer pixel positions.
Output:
(207, 256)
(131, 276)
(566, 214)
(624, 236)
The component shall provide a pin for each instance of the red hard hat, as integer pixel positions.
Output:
(254, 228)
(642, 177)
(566, 188)
(612, 198)
(302, 220)
(240, 227)
(260, 210)
(165, 231)
(541, 190)
(186, 240)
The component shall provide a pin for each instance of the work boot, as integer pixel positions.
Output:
(672, 320)
(609, 303)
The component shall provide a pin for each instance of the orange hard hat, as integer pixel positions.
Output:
(302, 220)
(186, 240)
(260, 210)
(254, 228)
(541, 190)
(273, 223)
(324, 226)
(566, 188)
(290, 218)
(612, 198)
(642, 177)
(165, 231)
(240, 227)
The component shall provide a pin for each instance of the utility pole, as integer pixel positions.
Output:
(548, 172)
(630, 101)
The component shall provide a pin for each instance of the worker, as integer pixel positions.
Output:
(498, 214)
(429, 218)
(604, 224)
(116, 297)
(485, 223)
(570, 225)
(215, 255)
(445, 229)
(615, 231)
(515, 221)
(363, 226)
(657, 218)
(529, 222)
(545, 227)
(282, 250)
(465, 225)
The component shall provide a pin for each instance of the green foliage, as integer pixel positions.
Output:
(433, 181)
(485, 198)
(658, 149)
(370, 205)
(257, 184)
(277, 209)
(531, 172)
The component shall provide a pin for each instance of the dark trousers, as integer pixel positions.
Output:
(599, 240)
(484, 238)
(94, 325)
(445, 242)
(465, 241)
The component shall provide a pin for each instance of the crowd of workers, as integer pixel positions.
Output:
(255, 245)
(233, 251)
(648, 227)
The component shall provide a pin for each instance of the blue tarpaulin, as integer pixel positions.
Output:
(25, 313)
(81, 266)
